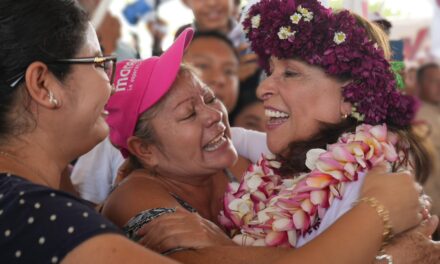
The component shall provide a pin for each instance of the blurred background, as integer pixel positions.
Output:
(415, 23)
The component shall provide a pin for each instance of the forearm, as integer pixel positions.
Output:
(231, 255)
(355, 238)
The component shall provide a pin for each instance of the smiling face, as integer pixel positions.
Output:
(298, 99)
(218, 67)
(192, 130)
(84, 97)
(212, 14)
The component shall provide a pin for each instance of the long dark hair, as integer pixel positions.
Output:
(31, 31)
(415, 154)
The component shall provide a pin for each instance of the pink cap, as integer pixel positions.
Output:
(139, 85)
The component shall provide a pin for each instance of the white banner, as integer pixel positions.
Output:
(435, 31)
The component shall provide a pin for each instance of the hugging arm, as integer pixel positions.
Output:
(355, 238)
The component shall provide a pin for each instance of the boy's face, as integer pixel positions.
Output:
(211, 14)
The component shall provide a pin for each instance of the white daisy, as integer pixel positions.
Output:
(308, 16)
(255, 20)
(295, 18)
(339, 37)
(285, 33)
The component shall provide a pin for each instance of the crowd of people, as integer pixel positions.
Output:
(280, 135)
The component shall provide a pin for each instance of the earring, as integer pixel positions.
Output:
(344, 116)
(52, 99)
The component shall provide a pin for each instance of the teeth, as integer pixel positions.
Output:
(275, 114)
(215, 143)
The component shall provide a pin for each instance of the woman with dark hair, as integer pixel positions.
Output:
(176, 136)
(54, 85)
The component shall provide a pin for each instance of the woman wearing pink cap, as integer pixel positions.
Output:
(177, 138)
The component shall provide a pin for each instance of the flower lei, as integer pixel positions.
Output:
(267, 210)
(306, 30)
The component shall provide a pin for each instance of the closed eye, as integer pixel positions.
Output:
(288, 74)
(211, 100)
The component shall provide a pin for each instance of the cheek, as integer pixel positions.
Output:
(181, 141)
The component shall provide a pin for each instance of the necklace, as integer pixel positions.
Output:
(265, 209)
(32, 169)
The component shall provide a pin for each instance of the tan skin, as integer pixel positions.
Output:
(429, 87)
(291, 85)
(35, 151)
(212, 14)
(216, 15)
(251, 117)
(183, 229)
(184, 165)
(141, 192)
(218, 67)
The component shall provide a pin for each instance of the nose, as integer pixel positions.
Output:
(266, 89)
(215, 78)
(211, 115)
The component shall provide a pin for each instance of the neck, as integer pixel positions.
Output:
(204, 196)
(32, 159)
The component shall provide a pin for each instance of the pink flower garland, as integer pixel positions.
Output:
(267, 210)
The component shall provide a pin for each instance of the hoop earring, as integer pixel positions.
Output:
(52, 99)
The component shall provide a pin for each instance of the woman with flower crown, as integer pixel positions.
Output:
(334, 112)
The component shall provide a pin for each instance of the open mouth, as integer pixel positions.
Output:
(216, 143)
(276, 117)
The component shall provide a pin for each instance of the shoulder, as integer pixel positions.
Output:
(37, 217)
(139, 192)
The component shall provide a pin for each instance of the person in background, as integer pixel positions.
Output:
(249, 113)
(216, 60)
(428, 86)
(410, 79)
(236, 13)
(218, 15)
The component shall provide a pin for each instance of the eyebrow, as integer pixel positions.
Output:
(206, 89)
(182, 102)
(233, 62)
(202, 56)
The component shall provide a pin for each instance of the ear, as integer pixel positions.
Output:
(146, 153)
(345, 107)
(42, 85)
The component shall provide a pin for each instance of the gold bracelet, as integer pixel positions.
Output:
(387, 234)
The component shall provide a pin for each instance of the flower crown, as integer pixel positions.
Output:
(306, 30)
